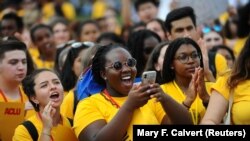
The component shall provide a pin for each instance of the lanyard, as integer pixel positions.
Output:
(5, 98)
(106, 93)
(39, 115)
(192, 114)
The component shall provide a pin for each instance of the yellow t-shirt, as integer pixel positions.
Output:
(48, 11)
(239, 45)
(223, 17)
(98, 107)
(43, 64)
(33, 52)
(197, 109)
(99, 8)
(220, 64)
(60, 132)
(241, 99)
(68, 105)
(28, 112)
(69, 11)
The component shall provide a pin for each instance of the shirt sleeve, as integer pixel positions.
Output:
(86, 113)
(21, 134)
(222, 87)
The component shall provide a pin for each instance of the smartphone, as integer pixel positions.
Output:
(148, 77)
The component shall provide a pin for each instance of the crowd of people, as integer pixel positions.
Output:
(81, 79)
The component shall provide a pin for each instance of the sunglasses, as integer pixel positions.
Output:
(117, 65)
(208, 29)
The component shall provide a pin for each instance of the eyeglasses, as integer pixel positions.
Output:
(208, 29)
(117, 65)
(79, 44)
(184, 58)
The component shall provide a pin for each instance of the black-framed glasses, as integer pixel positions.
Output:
(184, 58)
(79, 44)
(117, 65)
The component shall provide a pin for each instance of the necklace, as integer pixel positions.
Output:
(5, 98)
(183, 97)
(109, 98)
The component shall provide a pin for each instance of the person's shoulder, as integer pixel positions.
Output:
(92, 98)
(97, 95)
(34, 119)
(21, 131)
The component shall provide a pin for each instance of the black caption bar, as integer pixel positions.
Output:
(201, 132)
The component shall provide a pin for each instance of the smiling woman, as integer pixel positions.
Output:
(122, 104)
(45, 92)
(42, 38)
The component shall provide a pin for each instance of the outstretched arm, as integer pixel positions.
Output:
(216, 109)
(177, 113)
(207, 72)
(126, 13)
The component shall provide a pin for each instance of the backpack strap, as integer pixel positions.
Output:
(31, 129)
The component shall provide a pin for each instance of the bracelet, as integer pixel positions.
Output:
(188, 107)
(46, 134)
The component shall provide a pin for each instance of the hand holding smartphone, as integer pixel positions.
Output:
(148, 77)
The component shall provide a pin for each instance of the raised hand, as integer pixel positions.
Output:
(208, 73)
(139, 96)
(191, 92)
(47, 114)
(201, 87)
(157, 93)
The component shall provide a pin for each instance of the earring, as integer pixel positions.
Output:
(172, 68)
